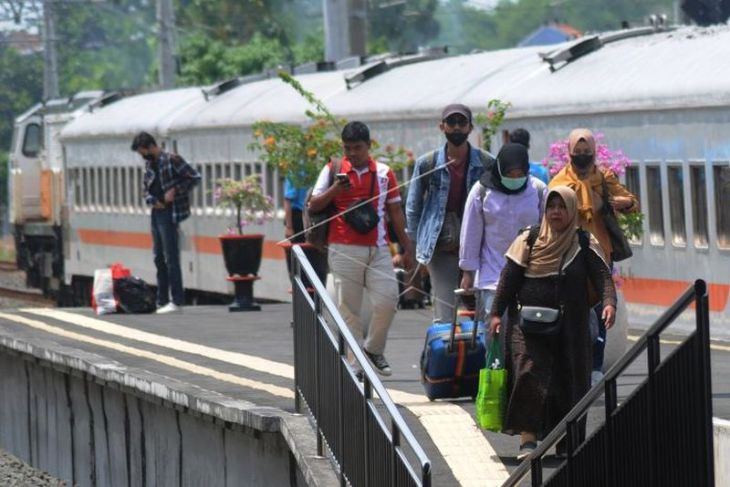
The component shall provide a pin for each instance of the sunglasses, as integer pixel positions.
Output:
(457, 122)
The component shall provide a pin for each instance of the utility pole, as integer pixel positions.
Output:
(336, 29)
(358, 27)
(50, 61)
(166, 43)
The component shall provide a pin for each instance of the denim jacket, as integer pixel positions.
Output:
(426, 207)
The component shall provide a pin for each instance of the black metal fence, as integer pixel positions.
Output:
(356, 420)
(660, 435)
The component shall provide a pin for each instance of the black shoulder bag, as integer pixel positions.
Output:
(619, 243)
(540, 320)
(361, 214)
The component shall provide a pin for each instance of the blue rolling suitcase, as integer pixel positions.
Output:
(453, 356)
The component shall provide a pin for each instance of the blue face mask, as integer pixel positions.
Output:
(511, 184)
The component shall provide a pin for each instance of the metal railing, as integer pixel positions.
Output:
(357, 420)
(661, 434)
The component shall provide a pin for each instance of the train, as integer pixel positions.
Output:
(658, 93)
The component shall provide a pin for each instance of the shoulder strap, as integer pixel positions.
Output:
(429, 166)
(532, 236)
(334, 169)
(584, 239)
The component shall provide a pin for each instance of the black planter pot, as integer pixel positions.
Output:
(242, 253)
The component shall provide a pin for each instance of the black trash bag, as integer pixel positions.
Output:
(134, 295)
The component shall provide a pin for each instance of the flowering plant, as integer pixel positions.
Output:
(247, 197)
(299, 152)
(606, 159)
(490, 121)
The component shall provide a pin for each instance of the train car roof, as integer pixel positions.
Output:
(151, 112)
(680, 68)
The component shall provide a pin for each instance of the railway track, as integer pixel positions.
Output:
(31, 297)
(18, 294)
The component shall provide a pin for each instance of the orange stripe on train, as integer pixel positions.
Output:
(662, 292)
(140, 240)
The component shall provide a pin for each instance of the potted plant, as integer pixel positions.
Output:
(242, 252)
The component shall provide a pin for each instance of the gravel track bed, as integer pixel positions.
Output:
(16, 280)
(15, 473)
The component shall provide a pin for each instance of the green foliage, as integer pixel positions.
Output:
(108, 45)
(247, 197)
(491, 120)
(299, 152)
(21, 86)
(632, 224)
(404, 26)
(465, 28)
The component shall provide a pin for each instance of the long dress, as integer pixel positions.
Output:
(547, 375)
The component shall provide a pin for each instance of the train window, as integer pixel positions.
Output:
(227, 171)
(656, 215)
(269, 180)
(114, 187)
(107, 187)
(123, 187)
(92, 186)
(237, 171)
(699, 205)
(721, 175)
(247, 169)
(632, 181)
(208, 185)
(32, 140)
(76, 178)
(198, 194)
(676, 205)
(137, 188)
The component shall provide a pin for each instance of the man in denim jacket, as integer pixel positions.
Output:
(453, 168)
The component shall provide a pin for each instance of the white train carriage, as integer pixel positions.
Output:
(661, 97)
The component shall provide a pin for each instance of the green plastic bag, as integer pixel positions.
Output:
(491, 398)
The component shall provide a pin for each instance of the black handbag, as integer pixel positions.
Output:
(619, 242)
(448, 239)
(539, 320)
(361, 214)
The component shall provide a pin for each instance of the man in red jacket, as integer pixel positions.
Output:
(362, 194)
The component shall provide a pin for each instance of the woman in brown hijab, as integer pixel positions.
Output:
(548, 374)
(587, 180)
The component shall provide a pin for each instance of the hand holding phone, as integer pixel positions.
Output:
(342, 179)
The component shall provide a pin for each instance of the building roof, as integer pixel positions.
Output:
(550, 34)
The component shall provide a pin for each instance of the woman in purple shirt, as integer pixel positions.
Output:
(505, 200)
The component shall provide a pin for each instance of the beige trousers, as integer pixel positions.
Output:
(355, 268)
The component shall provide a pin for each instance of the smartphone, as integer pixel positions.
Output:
(342, 177)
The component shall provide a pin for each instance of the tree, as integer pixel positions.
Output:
(404, 25)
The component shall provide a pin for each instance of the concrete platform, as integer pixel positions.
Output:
(245, 358)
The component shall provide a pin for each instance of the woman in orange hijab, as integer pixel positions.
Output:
(587, 180)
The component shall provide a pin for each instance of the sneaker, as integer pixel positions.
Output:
(526, 450)
(596, 377)
(169, 308)
(378, 360)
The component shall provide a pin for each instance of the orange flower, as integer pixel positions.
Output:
(270, 141)
(311, 152)
(258, 133)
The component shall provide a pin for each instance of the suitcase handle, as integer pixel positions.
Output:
(477, 312)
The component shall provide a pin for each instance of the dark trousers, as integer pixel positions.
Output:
(317, 259)
(599, 346)
(167, 257)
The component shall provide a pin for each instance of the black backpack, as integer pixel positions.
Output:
(134, 295)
